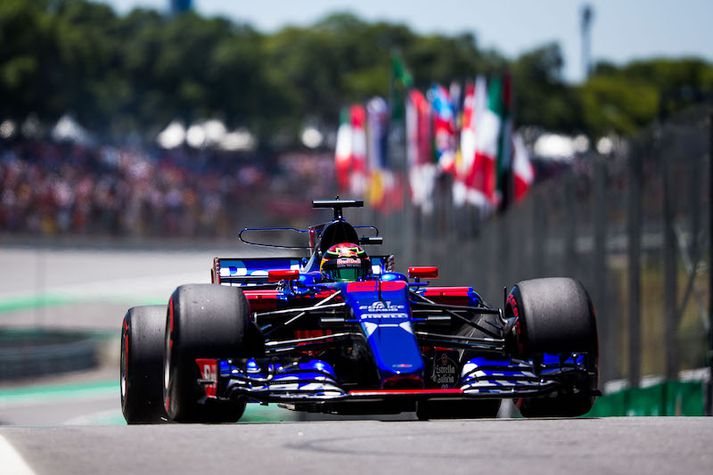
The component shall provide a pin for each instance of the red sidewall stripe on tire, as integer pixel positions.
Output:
(169, 335)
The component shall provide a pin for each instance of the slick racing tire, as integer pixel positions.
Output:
(141, 367)
(555, 315)
(426, 410)
(204, 321)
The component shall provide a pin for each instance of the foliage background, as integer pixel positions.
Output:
(132, 74)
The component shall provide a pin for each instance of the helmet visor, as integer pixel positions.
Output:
(347, 274)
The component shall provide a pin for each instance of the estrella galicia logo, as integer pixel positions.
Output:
(445, 371)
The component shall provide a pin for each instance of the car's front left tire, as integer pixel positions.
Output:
(555, 315)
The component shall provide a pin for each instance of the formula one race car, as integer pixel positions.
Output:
(341, 332)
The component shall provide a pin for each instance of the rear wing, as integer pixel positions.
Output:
(244, 271)
(252, 271)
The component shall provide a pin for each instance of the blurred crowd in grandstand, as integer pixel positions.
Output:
(51, 188)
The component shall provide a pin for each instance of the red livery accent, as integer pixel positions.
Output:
(262, 300)
(209, 372)
(446, 292)
(370, 286)
(301, 334)
(265, 300)
(423, 272)
(448, 295)
(326, 293)
(215, 272)
(282, 274)
(261, 294)
(404, 392)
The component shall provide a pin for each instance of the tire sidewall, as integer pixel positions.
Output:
(141, 362)
(203, 321)
(554, 315)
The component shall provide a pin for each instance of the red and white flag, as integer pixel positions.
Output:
(422, 169)
(343, 152)
(359, 177)
(473, 170)
(523, 171)
(466, 154)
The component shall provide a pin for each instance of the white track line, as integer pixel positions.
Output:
(11, 461)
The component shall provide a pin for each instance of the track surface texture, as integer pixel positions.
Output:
(53, 430)
(507, 446)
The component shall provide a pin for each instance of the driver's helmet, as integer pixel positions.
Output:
(345, 262)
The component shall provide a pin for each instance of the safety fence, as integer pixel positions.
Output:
(632, 226)
(670, 398)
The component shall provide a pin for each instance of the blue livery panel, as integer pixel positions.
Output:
(383, 312)
(253, 270)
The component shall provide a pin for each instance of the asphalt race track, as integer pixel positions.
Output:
(73, 425)
(507, 446)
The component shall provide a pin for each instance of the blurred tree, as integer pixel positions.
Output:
(136, 72)
(611, 104)
(542, 97)
(25, 43)
(623, 99)
(83, 74)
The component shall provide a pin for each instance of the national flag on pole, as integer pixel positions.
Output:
(401, 81)
(377, 145)
(504, 168)
(466, 155)
(523, 171)
(422, 170)
(418, 129)
(358, 182)
(487, 141)
(444, 128)
(343, 153)
(455, 93)
(475, 195)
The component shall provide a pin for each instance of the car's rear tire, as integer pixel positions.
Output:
(426, 410)
(555, 315)
(141, 367)
(204, 321)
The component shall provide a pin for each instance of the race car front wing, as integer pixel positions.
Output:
(315, 380)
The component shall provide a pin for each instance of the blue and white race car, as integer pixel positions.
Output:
(342, 332)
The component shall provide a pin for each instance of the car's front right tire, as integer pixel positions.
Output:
(204, 321)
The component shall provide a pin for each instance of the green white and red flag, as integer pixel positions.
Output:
(350, 153)
(484, 178)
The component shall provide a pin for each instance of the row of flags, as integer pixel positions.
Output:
(466, 134)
